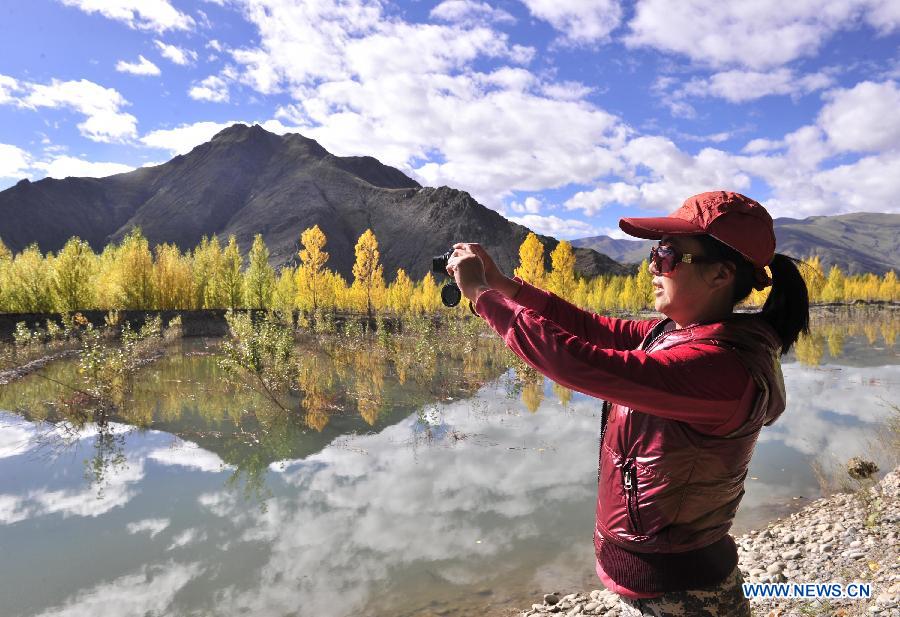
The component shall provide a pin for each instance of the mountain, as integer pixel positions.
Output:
(859, 243)
(247, 181)
(624, 251)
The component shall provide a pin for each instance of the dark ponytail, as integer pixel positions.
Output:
(787, 307)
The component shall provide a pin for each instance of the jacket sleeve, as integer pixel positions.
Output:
(701, 384)
(607, 332)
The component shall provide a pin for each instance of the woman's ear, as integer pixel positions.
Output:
(721, 274)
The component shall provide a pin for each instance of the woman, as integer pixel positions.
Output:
(686, 396)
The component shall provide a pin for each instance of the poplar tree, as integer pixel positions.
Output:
(644, 286)
(368, 277)
(285, 293)
(311, 273)
(400, 292)
(6, 258)
(174, 281)
(259, 280)
(229, 280)
(28, 282)
(136, 271)
(73, 270)
(531, 260)
(203, 269)
(833, 291)
(562, 277)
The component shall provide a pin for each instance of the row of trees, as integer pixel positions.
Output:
(129, 275)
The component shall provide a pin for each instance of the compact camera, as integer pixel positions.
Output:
(450, 293)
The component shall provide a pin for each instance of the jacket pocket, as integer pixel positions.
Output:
(630, 491)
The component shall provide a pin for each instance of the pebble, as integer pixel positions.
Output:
(827, 541)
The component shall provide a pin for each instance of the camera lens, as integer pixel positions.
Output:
(450, 294)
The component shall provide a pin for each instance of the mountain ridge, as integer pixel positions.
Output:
(858, 242)
(246, 180)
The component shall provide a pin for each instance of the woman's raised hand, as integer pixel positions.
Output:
(492, 274)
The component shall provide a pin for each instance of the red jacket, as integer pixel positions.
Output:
(688, 405)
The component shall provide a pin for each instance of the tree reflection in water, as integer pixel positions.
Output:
(329, 384)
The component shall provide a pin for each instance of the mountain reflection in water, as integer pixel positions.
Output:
(381, 488)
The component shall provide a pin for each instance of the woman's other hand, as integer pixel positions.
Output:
(467, 270)
(492, 274)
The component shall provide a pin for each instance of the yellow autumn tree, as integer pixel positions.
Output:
(285, 293)
(259, 279)
(228, 279)
(531, 260)
(174, 281)
(814, 276)
(71, 277)
(399, 293)
(643, 284)
(833, 291)
(28, 282)
(135, 265)
(368, 277)
(561, 280)
(311, 273)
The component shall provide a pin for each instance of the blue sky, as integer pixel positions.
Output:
(561, 114)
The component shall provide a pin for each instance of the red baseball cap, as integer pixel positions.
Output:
(732, 218)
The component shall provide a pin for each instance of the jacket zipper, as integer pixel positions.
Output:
(629, 481)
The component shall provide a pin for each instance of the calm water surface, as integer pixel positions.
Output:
(460, 493)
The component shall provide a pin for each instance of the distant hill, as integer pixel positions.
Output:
(623, 251)
(247, 181)
(858, 243)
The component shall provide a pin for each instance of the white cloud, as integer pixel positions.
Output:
(153, 526)
(864, 118)
(156, 15)
(555, 226)
(470, 11)
(176, 54)
(8, 85)
(358, 90)
(577, 20)
(674, 175)
(69, 166)
(738, 86)
(214, 45)
(149, 591)
(591, 202)
(189, 454)
(14, 163)
(531, 205)
(883, 15)
(141, 67)
(118, 489)
(870, 184)
(761, 144)
(14, 509)
(184, 138)
(105, 121)
(188, 536)
(213, 89)
(757, 35)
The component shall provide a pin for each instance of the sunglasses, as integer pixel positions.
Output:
(664, 258)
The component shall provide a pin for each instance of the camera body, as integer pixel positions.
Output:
(450, 293)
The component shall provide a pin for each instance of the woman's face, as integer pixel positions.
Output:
(684, 294)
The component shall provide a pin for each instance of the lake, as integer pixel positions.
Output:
(448, 486)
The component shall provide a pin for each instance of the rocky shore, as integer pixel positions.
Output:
(844, 538)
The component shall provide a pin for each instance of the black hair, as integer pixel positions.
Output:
(787, 307)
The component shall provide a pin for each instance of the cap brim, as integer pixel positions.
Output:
(654, 228)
